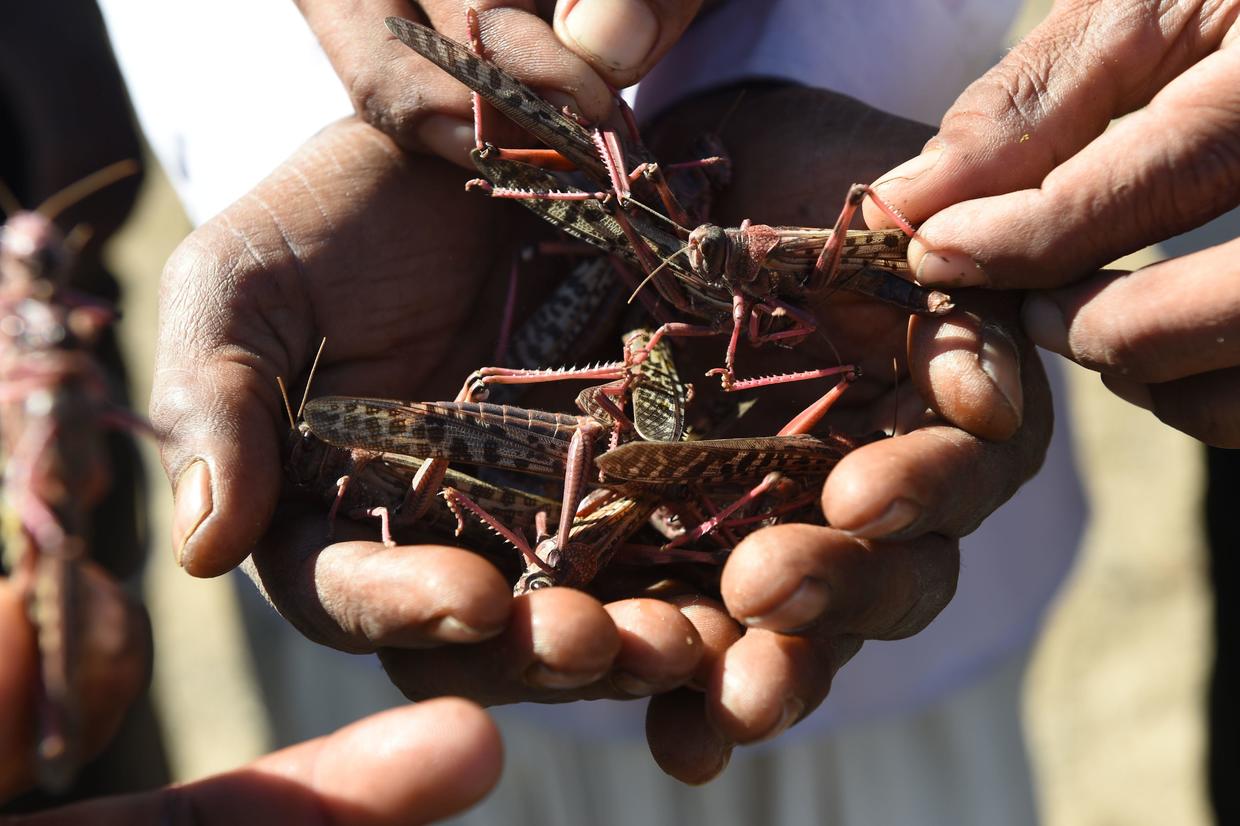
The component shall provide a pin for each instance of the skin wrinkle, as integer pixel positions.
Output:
(270, 313)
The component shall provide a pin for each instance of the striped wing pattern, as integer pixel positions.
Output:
(659, 396)
(510, 96)
(723, 460)
(529, 441)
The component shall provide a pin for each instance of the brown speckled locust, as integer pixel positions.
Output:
(748, 279)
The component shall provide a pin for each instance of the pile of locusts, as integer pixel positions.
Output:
(56, 408)
(635, 486)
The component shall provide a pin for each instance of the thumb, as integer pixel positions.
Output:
(215, 409)
(622, 39)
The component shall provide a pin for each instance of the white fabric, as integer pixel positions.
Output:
(910, 57)
(226, 91)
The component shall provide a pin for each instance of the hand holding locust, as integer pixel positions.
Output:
(589, 46)
(1022, 188)
(352, 239)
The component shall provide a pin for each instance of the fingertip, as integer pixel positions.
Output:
(755, 692)
(622, 39)
(682, 741)
(220, 447)
(616, 37)
(573, 638)
(415, 764)
(969, 372)
(407, 596)
(901, 187)
(774, 577)
(659, 647)
(715, 628)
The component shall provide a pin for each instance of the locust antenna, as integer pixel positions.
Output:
(655, 272)
(89, 185)
(313, 369)
(656, 214)
(8, 201)
(288, 408)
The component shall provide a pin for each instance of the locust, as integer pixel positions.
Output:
(56, 407)
(558, 445)
(749, 278)
(399, 487)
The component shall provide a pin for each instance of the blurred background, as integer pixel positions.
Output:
(1114, 700)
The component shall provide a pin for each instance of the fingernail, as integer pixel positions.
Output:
(632, 685)
(1000, 360)
(192, 504)
(790, 714)
(948, 268)
(618, 33)
(1045, 325)
(1134, 392)
(911, 168)
(542, 676)
(447, 137)
(806, 604)
(451, 629)
(899, 515)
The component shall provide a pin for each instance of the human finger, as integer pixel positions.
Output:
(683, 741)
(835, 592)
(420, 105)
(794, 577)
(1206, 407)
(1052, 94)
(660, 648)
(1172, 319)
(939, 478)
(345, 202)
(1178, 171)
(415, 764)
(557, 641)
(622, 39)
(359, 596)
(1164, 338)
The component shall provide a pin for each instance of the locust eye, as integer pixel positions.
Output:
(540, 581)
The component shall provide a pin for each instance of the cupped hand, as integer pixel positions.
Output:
(406, 275)
(587, 47)
(1025, 187)
(972, 427)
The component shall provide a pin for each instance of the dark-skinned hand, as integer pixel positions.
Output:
(573, 51)
(1023, 189)
(405, 275)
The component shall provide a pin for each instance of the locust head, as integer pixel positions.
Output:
(708, 251)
